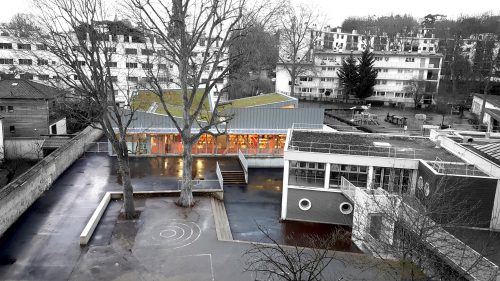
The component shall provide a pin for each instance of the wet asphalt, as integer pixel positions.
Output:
(44, 242)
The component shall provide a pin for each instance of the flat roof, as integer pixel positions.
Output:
(257, 100)
(366, 144)
(146, 100)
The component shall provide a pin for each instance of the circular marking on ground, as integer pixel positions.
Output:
(174, 234)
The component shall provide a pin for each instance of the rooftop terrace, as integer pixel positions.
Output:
(257, 100)
(369, 145)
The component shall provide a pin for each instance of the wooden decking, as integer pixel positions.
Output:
(221, 222)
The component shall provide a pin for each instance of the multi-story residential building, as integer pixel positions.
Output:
(133, 55)
(399, 60)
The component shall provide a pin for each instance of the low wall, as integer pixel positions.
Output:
(265, 162)
(17, 197)
(23, 148)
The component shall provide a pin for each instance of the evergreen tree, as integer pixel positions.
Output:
(367, 75)
(349, 76)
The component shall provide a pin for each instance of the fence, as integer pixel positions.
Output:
(333, 148)
(97, 147)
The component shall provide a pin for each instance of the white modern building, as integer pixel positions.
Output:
(357, 180)
(398, 61)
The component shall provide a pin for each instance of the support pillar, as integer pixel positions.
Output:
(284, 194)
(413, 184)
(369, 178)
(327, 176)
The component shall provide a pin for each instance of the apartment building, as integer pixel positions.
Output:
(399, 60)
(133, 55)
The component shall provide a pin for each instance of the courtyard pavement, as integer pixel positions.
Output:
(172, 243)
(166, 243)
(44, 242)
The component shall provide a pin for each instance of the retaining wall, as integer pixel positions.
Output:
(17, 197)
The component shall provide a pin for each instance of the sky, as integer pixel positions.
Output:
(336, 11)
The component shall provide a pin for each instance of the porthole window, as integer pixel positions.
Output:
(420, 183)
(426, 189)
(304, 204)
(346, 208)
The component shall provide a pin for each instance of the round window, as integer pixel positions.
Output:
(426, 189)
(420, 183)
(346, 208)
(304, 204)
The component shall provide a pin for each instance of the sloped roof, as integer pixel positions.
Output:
(493, 99)
(26, 89)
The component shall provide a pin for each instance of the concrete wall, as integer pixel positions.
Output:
(18, 196)
(265, 162)
(23, 148)
(325, 206)
(2, 156)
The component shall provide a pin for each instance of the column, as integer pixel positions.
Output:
(369, 178)
(327, 175)
(413, 184)
(284, 194)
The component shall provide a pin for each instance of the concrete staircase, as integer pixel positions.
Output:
(233, 177)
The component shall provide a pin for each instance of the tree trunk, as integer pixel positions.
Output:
(292, 77)
(128, 190)
(186, 197)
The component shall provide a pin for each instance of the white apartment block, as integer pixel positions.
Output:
(398, 60)
(131, 60)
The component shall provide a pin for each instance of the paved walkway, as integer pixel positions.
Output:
(43, 243)
(171, 243)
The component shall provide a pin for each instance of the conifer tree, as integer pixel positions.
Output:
(349, 76)
(367, 75)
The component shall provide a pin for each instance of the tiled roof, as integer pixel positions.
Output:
(26, 89)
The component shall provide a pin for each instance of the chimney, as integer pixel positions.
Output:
(339, 30)
(354, 31)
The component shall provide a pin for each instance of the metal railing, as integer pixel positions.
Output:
(306, 126)
(97, 147)
(219, 175)
(334, 148)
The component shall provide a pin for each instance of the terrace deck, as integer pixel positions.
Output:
(363, 144)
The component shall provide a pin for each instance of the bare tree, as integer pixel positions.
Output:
(412, 229)
(207, 29)
(416, 88)
(272, 261)
(75, 36)
(296, 41)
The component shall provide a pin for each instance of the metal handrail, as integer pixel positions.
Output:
(401, 152)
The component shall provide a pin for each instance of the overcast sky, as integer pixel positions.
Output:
(336, 11)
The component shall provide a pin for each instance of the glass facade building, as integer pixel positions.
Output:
(171, 144)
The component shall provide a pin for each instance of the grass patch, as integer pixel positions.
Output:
(173, 98)
(256, 100)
